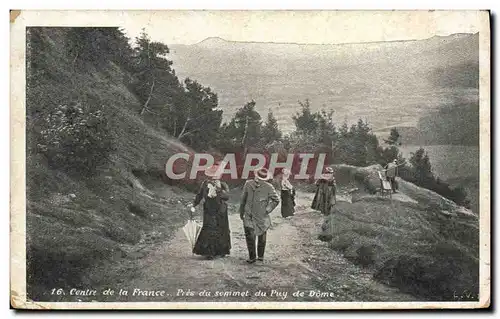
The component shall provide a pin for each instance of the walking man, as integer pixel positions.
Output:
(391, 173)
(258, 200)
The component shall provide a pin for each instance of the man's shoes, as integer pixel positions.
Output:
(251, 261)
(261, 259)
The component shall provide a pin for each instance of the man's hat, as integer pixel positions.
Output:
(262, 174)
(329, 170)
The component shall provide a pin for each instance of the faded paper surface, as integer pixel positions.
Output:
(307, 27)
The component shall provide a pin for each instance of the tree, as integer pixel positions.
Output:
(270, 130)
(197, 119)
(459, 196)
(357, 145)
(244, 129)
(394, 138)
(315, 132)
(422, 168)
(187, 111)
(325, 132)
(305, 121)
(156, 85)
(422, 176)
(387, 154)
(98, 46)
(359, 140)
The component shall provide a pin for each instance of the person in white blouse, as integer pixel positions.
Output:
(285, 187)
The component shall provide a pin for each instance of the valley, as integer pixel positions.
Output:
(386, 83)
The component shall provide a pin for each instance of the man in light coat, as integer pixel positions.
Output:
(258, 200)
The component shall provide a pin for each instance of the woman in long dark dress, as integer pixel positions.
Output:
(287, 191)
(325, 197)
(214, 239)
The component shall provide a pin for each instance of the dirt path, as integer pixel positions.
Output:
(296, 262)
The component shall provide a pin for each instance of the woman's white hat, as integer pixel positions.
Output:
(212, 171)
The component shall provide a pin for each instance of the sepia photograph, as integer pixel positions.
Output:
(203, 159)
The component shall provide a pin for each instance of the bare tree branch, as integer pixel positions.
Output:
(244, 139)
(145, 106)
(189, 133)
(184, 133)
(184, 128)
(149, 111)
(76, 57)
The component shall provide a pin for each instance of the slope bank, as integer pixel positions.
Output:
(419, 241)
(76, 224)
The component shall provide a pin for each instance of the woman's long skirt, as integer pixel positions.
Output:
(287, 204)
(214, 238)
(324, 199)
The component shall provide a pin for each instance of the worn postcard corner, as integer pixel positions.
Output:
(13, 15)
(183, 159)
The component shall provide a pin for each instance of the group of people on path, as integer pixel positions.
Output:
(259, 198)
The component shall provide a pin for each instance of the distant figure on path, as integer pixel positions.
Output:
(326, 189)
(391, 172)
(287, 191)
(214, 239)
(258, 200)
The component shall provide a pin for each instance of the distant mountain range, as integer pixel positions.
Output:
(386, 83)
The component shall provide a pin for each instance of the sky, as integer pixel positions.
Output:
(323, 27)
(188, 27)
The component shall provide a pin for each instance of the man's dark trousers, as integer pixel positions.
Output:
(261, 246)
(394, 183)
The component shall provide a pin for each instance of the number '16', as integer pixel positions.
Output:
(58, 291)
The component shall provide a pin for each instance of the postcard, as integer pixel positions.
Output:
(203, 159)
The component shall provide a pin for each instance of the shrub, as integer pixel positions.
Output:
(76, 140)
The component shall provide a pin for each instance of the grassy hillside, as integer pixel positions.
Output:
(77, 223)
(420, 242)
